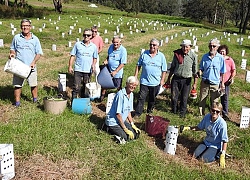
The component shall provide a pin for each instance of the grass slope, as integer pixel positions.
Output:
(71, 146)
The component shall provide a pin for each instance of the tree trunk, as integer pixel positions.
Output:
(58, 5)
(6, 2)
(241, 16)
(55, 4)
(216, 11)
(244, 28)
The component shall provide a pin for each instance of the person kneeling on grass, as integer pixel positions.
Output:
(119, 121)
(216, 139)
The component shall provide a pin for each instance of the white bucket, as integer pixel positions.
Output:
(171, 140)
(18, 68)
(93, 90)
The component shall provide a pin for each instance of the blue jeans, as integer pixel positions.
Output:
(117, 130)
(144, 91)
(80, 81)
(207, 154)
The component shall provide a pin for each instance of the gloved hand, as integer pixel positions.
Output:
(129, 133)
(137, 130)
(222, 160)
(184, 128)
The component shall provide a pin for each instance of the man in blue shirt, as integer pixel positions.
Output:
(154, 67)
(117, 58)
(212, 69)
(26, 47)
(119, 120)
(85, 55)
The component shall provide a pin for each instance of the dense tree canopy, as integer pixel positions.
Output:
(219, 12)
(214, 11)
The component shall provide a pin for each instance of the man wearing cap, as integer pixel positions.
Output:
(183, 67)
(212, 69)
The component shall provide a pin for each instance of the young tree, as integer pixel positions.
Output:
(58, 5)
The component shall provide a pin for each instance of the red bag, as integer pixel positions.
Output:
(156, 126)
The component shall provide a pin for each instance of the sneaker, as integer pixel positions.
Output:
(17, 104)
(119, 139)
(35, 100)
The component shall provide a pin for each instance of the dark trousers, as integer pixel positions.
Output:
(225, 100)
(80, 81)
(117, 130)
(180, 89)
(144, 91)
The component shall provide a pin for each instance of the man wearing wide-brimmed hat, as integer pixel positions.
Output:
(183, 67)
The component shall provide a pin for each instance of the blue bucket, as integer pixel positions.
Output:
(81, 106)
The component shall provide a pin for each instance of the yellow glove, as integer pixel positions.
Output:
(184, 128)
(137, 130)
(222, 160)
(129, 133)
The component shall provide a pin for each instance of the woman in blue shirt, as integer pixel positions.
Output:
(216, 136)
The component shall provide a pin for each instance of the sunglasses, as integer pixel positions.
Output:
(25, 26)
(213, 46)
(86, 35)
(94, 31)
(215, 111)
(152, 44)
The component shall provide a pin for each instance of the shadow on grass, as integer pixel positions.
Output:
(7, 93)
(97, 121)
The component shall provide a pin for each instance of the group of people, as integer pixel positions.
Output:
(216, 70)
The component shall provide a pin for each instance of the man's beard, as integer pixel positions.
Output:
(213, 52)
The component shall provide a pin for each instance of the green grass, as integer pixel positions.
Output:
(78, 138)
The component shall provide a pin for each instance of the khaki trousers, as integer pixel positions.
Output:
(205, 90)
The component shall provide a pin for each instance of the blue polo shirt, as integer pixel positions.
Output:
(211, 68)
(216, 132)
(115, 58)
(122, 104)
(26, 49)
(84, 56)
(152, 68)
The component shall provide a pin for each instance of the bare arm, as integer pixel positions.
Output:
(195, 128)
(33, 63)
(12, 54)
(163, 76)
(224, 146)
(93, 64)
(130, 119)
(70, 68)
(169, 77)
(100, 49)
(117, 69)
(137, 69)
(119, 117)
